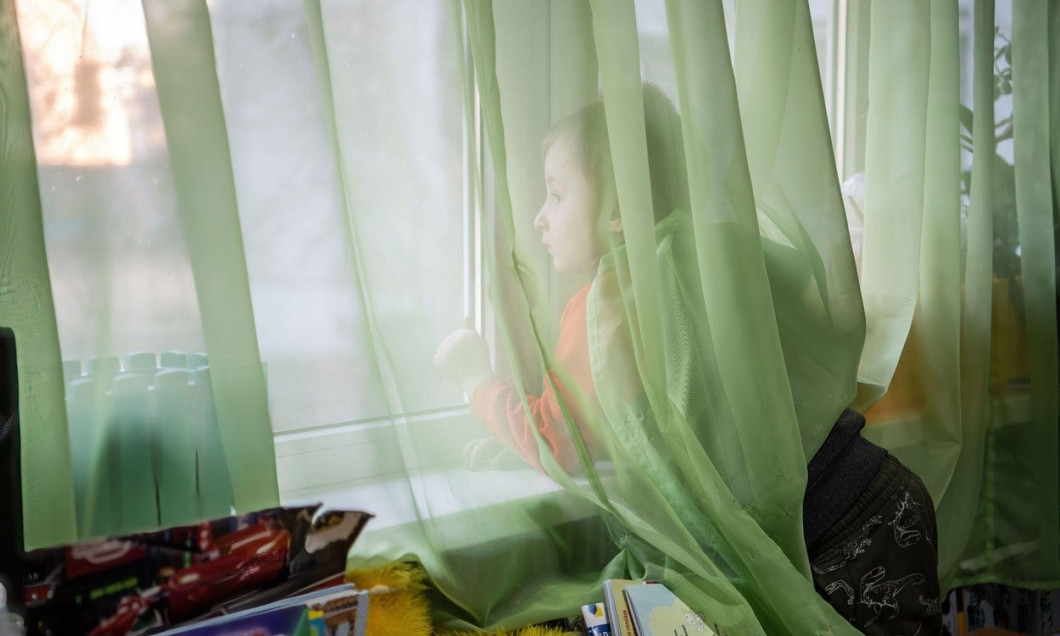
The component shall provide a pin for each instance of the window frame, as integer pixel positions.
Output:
(377, 441)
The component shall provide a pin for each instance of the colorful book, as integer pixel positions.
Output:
(324, 612)
(596, 623)
(290, 620)
(656, 611)
(343, 612)
(617, 608)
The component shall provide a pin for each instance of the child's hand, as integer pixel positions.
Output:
(480, 453)
(464, 356)
(489, 454)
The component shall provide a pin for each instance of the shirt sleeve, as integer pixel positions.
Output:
(499, 405)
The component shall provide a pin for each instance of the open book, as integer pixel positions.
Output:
(656, 611)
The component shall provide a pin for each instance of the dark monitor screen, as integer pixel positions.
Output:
(10, 472)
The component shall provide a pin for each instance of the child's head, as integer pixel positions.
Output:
(570, 216)
(577, 162)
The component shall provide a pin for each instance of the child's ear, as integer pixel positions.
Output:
(615, 224)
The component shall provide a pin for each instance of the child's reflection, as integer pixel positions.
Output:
(579, 222)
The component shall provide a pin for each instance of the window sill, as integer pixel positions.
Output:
(371, 467)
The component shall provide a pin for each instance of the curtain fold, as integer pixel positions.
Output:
(792, 169)
(1037, 236)
(936, 324)
(165, 420)
(931, 232)
(26, 307)
(185, 71)
(957, 503)
(974, 436)
(739, 308)
(899, 62)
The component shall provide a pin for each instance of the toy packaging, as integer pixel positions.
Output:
(148, 583)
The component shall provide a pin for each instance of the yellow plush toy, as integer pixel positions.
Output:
(398, 605)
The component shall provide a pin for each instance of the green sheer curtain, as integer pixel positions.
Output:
(707, 490)
(307, 197)
(27, 308)
(146, 438)
(980, 433)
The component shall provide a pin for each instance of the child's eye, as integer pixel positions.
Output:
(556, 198)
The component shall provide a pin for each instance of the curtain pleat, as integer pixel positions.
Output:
(957, 507)
(793, 172)
(26, 306)
(185, 71)
(936, 324)
(899, 54)
(1037, 239)
(482, 33)
(744, 332)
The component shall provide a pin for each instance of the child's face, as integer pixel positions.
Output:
(568, 219)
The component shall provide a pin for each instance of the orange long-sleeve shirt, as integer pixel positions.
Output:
(498, 402)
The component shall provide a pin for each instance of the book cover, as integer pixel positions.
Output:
(656, 611)
(344, 612)
(278, 621)
(596, 621)
(318, 613)
(617, 608)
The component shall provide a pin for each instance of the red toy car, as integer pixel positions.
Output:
(239, 562)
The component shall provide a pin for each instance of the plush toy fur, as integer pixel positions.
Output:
(398, 604)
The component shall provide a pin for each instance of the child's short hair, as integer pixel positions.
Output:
(587, 132)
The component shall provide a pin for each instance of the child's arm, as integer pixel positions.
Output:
(497, 403)
(464, 356)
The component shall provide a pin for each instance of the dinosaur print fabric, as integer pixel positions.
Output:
(878, 565)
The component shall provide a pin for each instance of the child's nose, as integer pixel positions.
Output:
(539, 220)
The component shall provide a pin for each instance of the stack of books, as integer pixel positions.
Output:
(647, 608)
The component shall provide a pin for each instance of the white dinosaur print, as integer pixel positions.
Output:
(846, 553)
(841, 585)
(879, 594)
(931, 605)
(905, 519)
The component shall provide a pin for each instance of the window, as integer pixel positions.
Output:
(361, 254)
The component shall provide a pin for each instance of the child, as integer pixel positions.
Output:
(579, 222)
(858, 495)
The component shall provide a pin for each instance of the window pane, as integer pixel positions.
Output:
(319, 264)
(120, 274)
(322, 266)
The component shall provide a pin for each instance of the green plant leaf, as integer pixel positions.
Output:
(1004, 133)
(966, 118)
